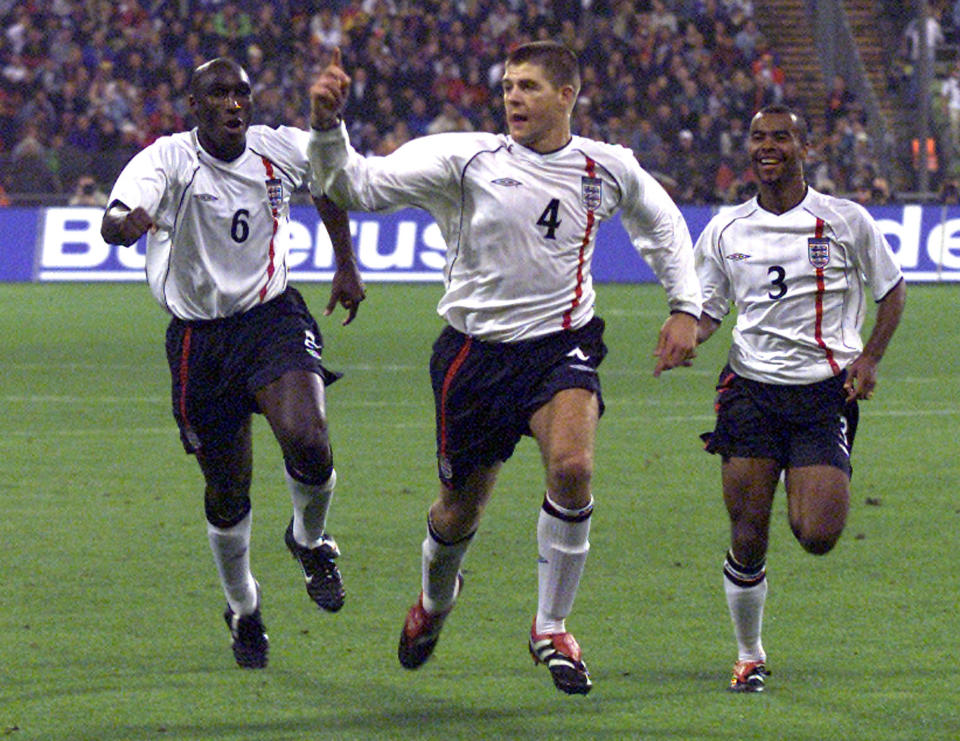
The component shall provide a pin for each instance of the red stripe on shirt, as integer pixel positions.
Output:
(591, 218)
(818, 327)
(268, 166)
(447, 380)
(183, 374)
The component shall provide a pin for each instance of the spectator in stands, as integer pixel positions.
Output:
(950, 193)
(933, 35)
(449, 119)
(880, 192)
(747, 38)
(30, 171)
(417, 119)
(632, 58)
(233, 25)
(950, 97)
(839, 102)
(87, 193)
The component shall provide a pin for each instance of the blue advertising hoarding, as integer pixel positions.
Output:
(64, 244)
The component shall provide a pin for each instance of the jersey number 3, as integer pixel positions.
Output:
(550, 218)
(778, 287)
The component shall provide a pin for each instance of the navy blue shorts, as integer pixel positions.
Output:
(802, 425)
(486, 392)
(217, 365)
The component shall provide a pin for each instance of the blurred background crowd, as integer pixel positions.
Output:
(85, 84)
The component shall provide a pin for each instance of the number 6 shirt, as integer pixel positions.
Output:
(519, 226)
(218, 247)
(798, 280)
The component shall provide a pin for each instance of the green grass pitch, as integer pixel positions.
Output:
(110, 612)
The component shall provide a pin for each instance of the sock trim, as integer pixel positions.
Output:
(436, 536)
(567, 515)
(744, 576)
(318, 480)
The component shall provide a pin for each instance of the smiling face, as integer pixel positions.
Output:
(222, 101)
(777, 149)
(537, 111)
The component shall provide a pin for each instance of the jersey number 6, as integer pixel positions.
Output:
(240, 229)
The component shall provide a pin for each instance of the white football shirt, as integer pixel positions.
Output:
(798, 280)
(217, 250)
(520, 227)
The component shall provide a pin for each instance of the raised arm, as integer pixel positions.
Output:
(328, 94)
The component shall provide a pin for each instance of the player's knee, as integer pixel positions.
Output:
(571, 471)
(818, 546)
(306, 450)
(225, 511)
(818, 543)
(311, 464)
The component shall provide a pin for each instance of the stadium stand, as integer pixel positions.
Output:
(84, 84)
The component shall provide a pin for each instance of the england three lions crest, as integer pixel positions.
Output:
(818, 250)
(275, 193)
(591, 192)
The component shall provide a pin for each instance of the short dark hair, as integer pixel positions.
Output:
(800, 123)
(559, 62)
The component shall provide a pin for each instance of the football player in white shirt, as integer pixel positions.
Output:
(798, 265)
(241, 340)
(520, 353)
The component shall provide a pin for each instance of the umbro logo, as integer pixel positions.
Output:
(507, 182)
(578, 354)
(738, 256)
(205, 197)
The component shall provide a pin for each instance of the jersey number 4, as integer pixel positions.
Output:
(550, 218)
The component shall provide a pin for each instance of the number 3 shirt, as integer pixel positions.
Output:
(216, 251)
(519, 226)
(798, 280)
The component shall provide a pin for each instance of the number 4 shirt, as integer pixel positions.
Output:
(798, 280)
(519, 226)
(216, 250)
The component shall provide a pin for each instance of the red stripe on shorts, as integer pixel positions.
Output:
(447, 380)
(183, 375)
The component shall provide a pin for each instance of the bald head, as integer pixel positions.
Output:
(215, 69)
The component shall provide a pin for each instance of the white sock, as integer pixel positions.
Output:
(231, 553)
(562, 539)
(310, 505)
(440, 565)
(746, 591)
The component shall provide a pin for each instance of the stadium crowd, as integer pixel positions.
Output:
(84, 84)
